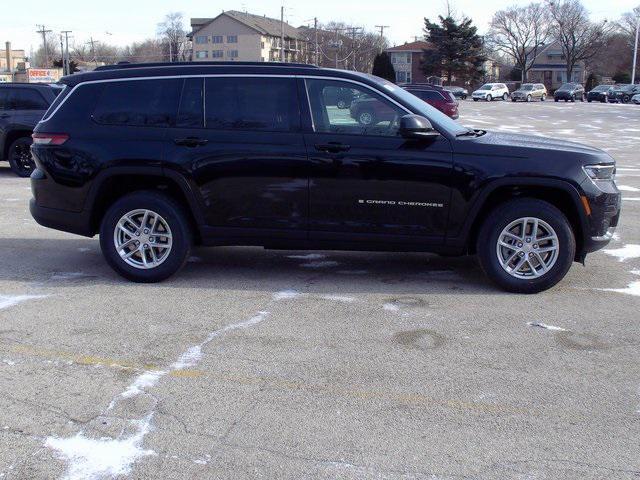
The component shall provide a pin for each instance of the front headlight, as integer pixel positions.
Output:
(600, 172)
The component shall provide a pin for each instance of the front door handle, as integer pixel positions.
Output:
(332, 147)
(190, 142)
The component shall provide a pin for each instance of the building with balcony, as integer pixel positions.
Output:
(241, 36)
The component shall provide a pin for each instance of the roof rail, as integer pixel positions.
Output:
(127, 65)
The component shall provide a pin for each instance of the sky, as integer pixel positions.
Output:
(121, 22)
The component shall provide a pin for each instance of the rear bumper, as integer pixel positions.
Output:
(72, 222)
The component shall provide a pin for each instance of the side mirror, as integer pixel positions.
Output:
(415, 126)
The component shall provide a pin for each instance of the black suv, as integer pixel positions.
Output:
(156, 158)
(21, 106)
(569, 91)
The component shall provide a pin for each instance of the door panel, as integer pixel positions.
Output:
(366, 180)
(247, 158)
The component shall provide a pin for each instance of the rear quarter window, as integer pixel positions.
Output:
(141, 103)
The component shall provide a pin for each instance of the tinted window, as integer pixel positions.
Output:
(370, 113)
(28, 99)
(266, 104)
(427, 94)
(190, 113)
(151, 103)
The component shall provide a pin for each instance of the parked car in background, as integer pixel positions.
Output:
(340, 97)
(530, 91)
(437, 97)
(624, 93)
(569, 92)
(491, 91)
(22, 105)
(636, 99)
(458, 92)
(601, 93)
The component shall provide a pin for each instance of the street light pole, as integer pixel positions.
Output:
(635, 49)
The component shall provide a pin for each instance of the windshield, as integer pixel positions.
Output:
(436, 117)
(526, 86)
(567, 86)
(601, 88)
(486, 86)
(626, 88)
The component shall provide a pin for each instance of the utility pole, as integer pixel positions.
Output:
(62, 54)
(92, 42)
(354, 32)
(315, 27)
(282, 33)
(382, 27)
(43, 31)
(635, 49)
(66, 52)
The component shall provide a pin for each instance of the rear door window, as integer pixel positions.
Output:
(190, 114)
(28, 99)
(252, 104)
(141, 103)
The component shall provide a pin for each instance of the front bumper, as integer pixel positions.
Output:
(606, 205)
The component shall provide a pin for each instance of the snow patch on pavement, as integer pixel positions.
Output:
(625, 253)
(308, 256)
(391, 307)
(338, 298)
(93, 459)
(632, 289)
(627, 188)
(67, 276)
(546, 327)
(286, 295)
(7, 301)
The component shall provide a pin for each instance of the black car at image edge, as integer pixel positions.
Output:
(156, 158)
(22, 105)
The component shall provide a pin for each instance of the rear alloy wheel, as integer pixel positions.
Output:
(626, 99)
(145, 237)
(505, 96)
(342, 104)
(526, 246)
(20, 158)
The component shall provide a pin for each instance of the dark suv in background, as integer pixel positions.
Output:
(601, 93)
(22, 105)
(156, 158)
(569, 92)
(624, 93)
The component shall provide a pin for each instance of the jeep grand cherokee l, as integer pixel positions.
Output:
(155, 158)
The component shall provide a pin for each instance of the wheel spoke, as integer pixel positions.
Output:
(543, 266)
(507, 245)
(534, 230)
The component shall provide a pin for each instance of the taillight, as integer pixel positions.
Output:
(49, 138)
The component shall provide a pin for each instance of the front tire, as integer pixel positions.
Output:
(20, 158)
(489, 98)
(526, 245)
(146, 237)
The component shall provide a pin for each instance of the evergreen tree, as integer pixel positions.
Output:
(383, 68)
(457, 50)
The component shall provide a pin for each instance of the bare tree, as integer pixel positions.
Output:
(579, 37)
(173, 35)
(47, 51)
(520, 33)
(628, 23)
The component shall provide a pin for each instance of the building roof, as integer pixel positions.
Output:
(418, 46)
(261, 24)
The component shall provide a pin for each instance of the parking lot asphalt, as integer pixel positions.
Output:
(282, 364)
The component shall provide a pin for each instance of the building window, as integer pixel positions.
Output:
(201, 39)
(232, 39)
(262, 45)
(401, 77)
(217, 39)
(232, 54)
(202, 54)
(217, 54)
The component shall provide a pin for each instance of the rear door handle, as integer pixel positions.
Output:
(332, 147)
(190, 142)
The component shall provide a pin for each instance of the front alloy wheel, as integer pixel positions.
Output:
(526, 245)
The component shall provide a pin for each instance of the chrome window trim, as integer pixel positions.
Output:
(214, 75)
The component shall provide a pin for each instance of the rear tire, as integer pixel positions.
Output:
(20, 158)
(543, 98)
(505, 97)
(178, 236)
(550, 221)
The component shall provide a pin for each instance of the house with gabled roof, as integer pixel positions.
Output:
(242, 36)
(550, 68)
(407, 62)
